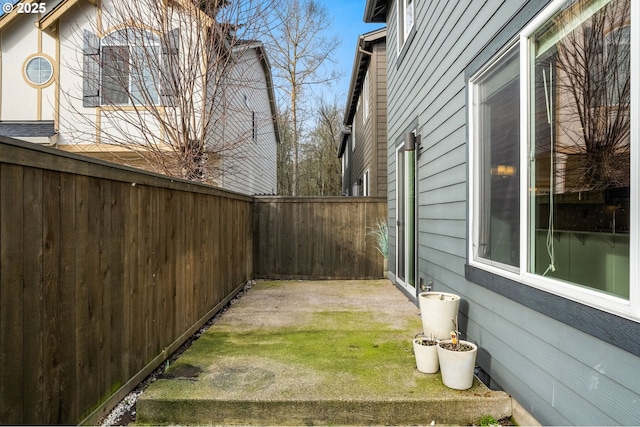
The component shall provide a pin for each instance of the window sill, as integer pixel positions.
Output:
(615, 330)
(405, 47)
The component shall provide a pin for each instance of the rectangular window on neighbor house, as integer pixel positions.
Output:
(365, 183)
(365, 96)
(405, 20)
(254, 126)
(554, 143)
(130, 63)
(354, 134)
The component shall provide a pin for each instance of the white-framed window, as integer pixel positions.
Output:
(39, 70)
(554, 200)
(405, 22)
(365, 97)
(365, 183)
(130, 62)
(354, 135)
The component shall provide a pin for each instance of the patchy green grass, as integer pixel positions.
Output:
(331, 344)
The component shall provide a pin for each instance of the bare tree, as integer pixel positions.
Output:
(320, 168)
(166, 79)
(300, 48)
(285, 155)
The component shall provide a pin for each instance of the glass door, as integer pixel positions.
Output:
(405, 223)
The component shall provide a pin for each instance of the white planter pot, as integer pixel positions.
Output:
(426, 357)
(438, 310)
(457, 366)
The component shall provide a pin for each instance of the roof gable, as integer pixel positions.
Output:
(375, 11)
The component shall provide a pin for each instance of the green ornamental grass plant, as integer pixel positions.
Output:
(381, 234)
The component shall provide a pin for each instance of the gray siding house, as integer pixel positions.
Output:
(513, 159)
(363, 147)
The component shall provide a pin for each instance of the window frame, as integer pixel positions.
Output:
(365, 183)
(404, 33)
(47, 60)
(142, 39)
(629, 309)
(365, 96)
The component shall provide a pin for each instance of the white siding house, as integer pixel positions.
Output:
(61, 84)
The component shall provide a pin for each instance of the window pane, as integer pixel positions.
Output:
(408, 20)
(498, 122)
(143, 77)
(39, 70)
(115, 74)
(581, 145)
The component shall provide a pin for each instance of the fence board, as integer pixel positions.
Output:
(69, 387)
(32, 295)
(11, 294)
(51, 283)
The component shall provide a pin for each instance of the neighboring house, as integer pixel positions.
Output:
(71, 77)
(363, 147)
(513, 181)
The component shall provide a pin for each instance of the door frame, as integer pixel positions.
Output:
(406, 252)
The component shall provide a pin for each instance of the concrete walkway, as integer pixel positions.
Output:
(312, 353)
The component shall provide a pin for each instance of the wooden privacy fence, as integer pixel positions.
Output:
(317, 237)
(105, 271)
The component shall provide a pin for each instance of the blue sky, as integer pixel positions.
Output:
(346, 17)
(347, 23)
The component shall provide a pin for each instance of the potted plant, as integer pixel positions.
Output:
(426, 352)
(380, 233)
(457, 360)
(436, 310)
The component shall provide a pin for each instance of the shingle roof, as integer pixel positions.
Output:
(27, 129)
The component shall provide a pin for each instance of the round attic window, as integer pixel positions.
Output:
(39, 70)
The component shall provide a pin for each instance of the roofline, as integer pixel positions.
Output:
(48, 21)
(375, 11)
(8, 18)
(360, 62)
(266, 67)
(345, 133)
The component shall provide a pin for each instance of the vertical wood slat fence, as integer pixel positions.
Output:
(105, 271)
(317, 237)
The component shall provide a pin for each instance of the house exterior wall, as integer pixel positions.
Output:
(102, 129)
(247, 164)
(21, 100)
(366, 145)
(361, 143)
(378, 71)
(561, 375)
(250, 168)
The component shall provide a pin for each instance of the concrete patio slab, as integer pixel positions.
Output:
(312, 353)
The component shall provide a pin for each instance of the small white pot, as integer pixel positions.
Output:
(457, 366)
(438, 310)
(426, 357)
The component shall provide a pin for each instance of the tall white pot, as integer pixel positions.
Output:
(457, 367)
(438, 310)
